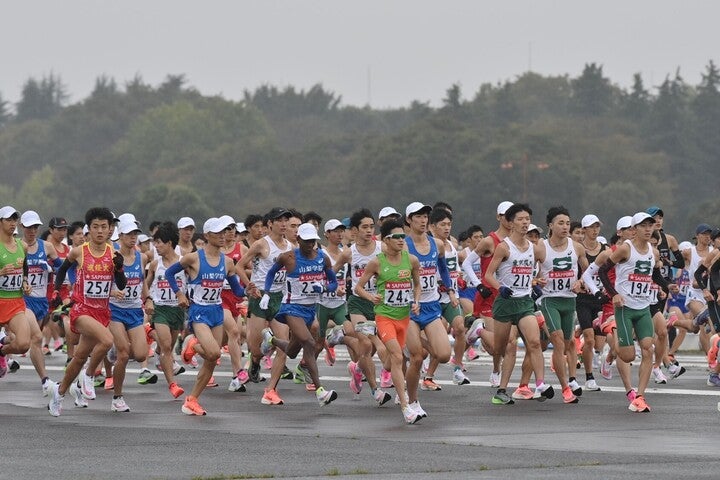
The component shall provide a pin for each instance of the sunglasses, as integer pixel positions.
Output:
(396, 236)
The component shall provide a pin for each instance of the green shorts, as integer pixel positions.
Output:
(273, 306)
(173, 317)
(360, 306)
(559, 313)
(629, 319)
(511, 310)
(325, 314)
(449, 312)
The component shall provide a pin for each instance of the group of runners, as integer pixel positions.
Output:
(398, 291)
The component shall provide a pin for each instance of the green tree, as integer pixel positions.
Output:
(41, 100)
(169, 202)
(453, 97)
(636, 104)
(5, 114)
(592, 92)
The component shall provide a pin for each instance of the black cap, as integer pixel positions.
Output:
(58, 222)
(278, 212)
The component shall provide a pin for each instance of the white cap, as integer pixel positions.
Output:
(307, 231)
(417, 207)
(503, 207)
(385, 212)
(185, 222)
(684, 245)
(228, 219)
(534, 227)
(142, 238)
(601, 239)
(589, 220)
(85, 230)
(640, 217)
(334, 223)
(8, 211)
(128, 226)
(217, 225)
(128, 217)
(240, 227)
(115, 235)
(30, 218)
(624, 222)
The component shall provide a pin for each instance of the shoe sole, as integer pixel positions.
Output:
(187, 411)
(270, 402)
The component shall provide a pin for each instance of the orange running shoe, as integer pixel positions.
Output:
(175, 390)
(271, 397)
(523, 393)
(713, 351)
(569, 396)
(192, 407)
(639, 405)
(188, 351)
(109, 385)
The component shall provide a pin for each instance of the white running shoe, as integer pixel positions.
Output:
(459, 378)
(495, 379)
(77, 395)
(47, 387)
(418, 409)
(119, 405)
(87, 385)
(55, 405)
(236, 385)
(410, 415)
(381, 397)
(592, 385)
(659, 376)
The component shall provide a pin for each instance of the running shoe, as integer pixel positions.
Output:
(335, 336)
(55, 404)
(455, 364)
(410, 415)
(47, 387)
(310, 387)
(712, 353)
(568, 395)
(576, 388)
(659, 376)
(714, 380)
(87, 385)
(382, 397)
(459, 377)
(324, 397)
(386, 380)
(175, 390)
(236, 385)
(76, 394)
(147, 377)
(188, 352)
(606, 370)
(397, 399)
(639, 404)
(243, 376)
(474, 331)
(592, 385)
(13, 366)
(429, 385)
(266, 345)
(267, 362)
(211, 382)
(46, 350)
(366, 328)
(271, 397)
(119, 405)
(502, 398)
(425, 365)
(192, 407)
(675, 370)
(418, 409)
(177, 368)
(522, 393)
(3, 364)
(543, 393)
(255, 376)
(471, 354)
(301, 374)
(99, 380)
(109, 383)
(355, 378)
(495, 379)
(112, 354)
(596, 361)
(329, 355)
(286, 374)
(631, 395)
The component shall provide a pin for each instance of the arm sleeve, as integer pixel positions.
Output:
(55, 264)
(701, 280)
(120, 279)
(25, 267)
(271, 276)
(603, 273)
(678, 261)
(170, 273)
(468, 270)
(60, 275)
(444, 273)
(660, 280)
(715, 277)
(237, 289)
(588, 280)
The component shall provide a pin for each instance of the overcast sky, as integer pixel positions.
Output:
(383, 52)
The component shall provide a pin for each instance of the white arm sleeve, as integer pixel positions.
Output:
(587, 278)
(472, 257)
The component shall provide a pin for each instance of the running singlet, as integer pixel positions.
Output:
(595, 277)
(394, 285)
(695, 261)
(451, 260)
(38, 271)
(666, 256)
(358, 262)
(428, 271)
(11, 283)
(94, 278)
(206, 287)
(331, 299)
(160, 290)
(516, 272)
(634, 277)
(308, 273)
(235, 255)
(560, 270)
(485, 261)
(133, 290)
(261, 266)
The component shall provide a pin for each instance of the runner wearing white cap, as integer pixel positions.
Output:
(186, 228)
(332, 306)
(387, 212)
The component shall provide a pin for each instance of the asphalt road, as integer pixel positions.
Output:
(464, 435)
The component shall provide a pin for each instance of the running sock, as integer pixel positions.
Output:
(589, 376)
(44, 379)
(571, 379)
(115, 397)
